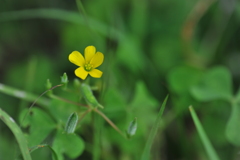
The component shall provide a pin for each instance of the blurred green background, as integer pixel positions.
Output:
(187, 49)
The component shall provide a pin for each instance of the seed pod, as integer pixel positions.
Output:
(71, 123)
(132, 128)
(89, 97)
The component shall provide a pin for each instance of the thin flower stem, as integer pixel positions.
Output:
(68, 101)
(84, 114)
(110, 122)
(29, 109)
(69, 90)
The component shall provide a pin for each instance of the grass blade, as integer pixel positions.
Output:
(62, 15)
(206, 143)
(22, 95)
(153, 132)
(17, 133)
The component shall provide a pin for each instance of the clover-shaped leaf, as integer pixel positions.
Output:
(215, 84)
(233, 125)
(70, 144)
(41, 125)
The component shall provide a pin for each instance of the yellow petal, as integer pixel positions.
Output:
(76, 58)
(96, 73)
(81, 73)
(89, 53)
(97, 59)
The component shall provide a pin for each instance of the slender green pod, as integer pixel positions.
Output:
(88, 96)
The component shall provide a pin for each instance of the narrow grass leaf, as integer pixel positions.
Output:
(62, 15)
(153, 132)
(206, 143)
(17, 133)
(81, 9)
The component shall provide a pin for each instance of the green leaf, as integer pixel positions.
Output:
(135, 60)
(57, 107)
(143, 104)
(153, 132)
(233, 125)
(215, 84)
(40, 124)
(115, 104)
(114, 99)
(159, 46)
(71, 123)
(17, 133)
(70, 144)
(142, 97)
(214, 118)
(182, 78)
(207, 144)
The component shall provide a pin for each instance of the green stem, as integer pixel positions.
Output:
(35, 101)
(109, 122)
(17, 133)
(68, 101)
(84, 114)
(23, 95)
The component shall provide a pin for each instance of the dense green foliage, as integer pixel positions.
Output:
(188, 50)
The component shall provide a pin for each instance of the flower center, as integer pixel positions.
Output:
(88, 67)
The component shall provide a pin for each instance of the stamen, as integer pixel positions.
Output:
(88, 67)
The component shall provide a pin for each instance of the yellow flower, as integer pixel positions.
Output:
(88, 65)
